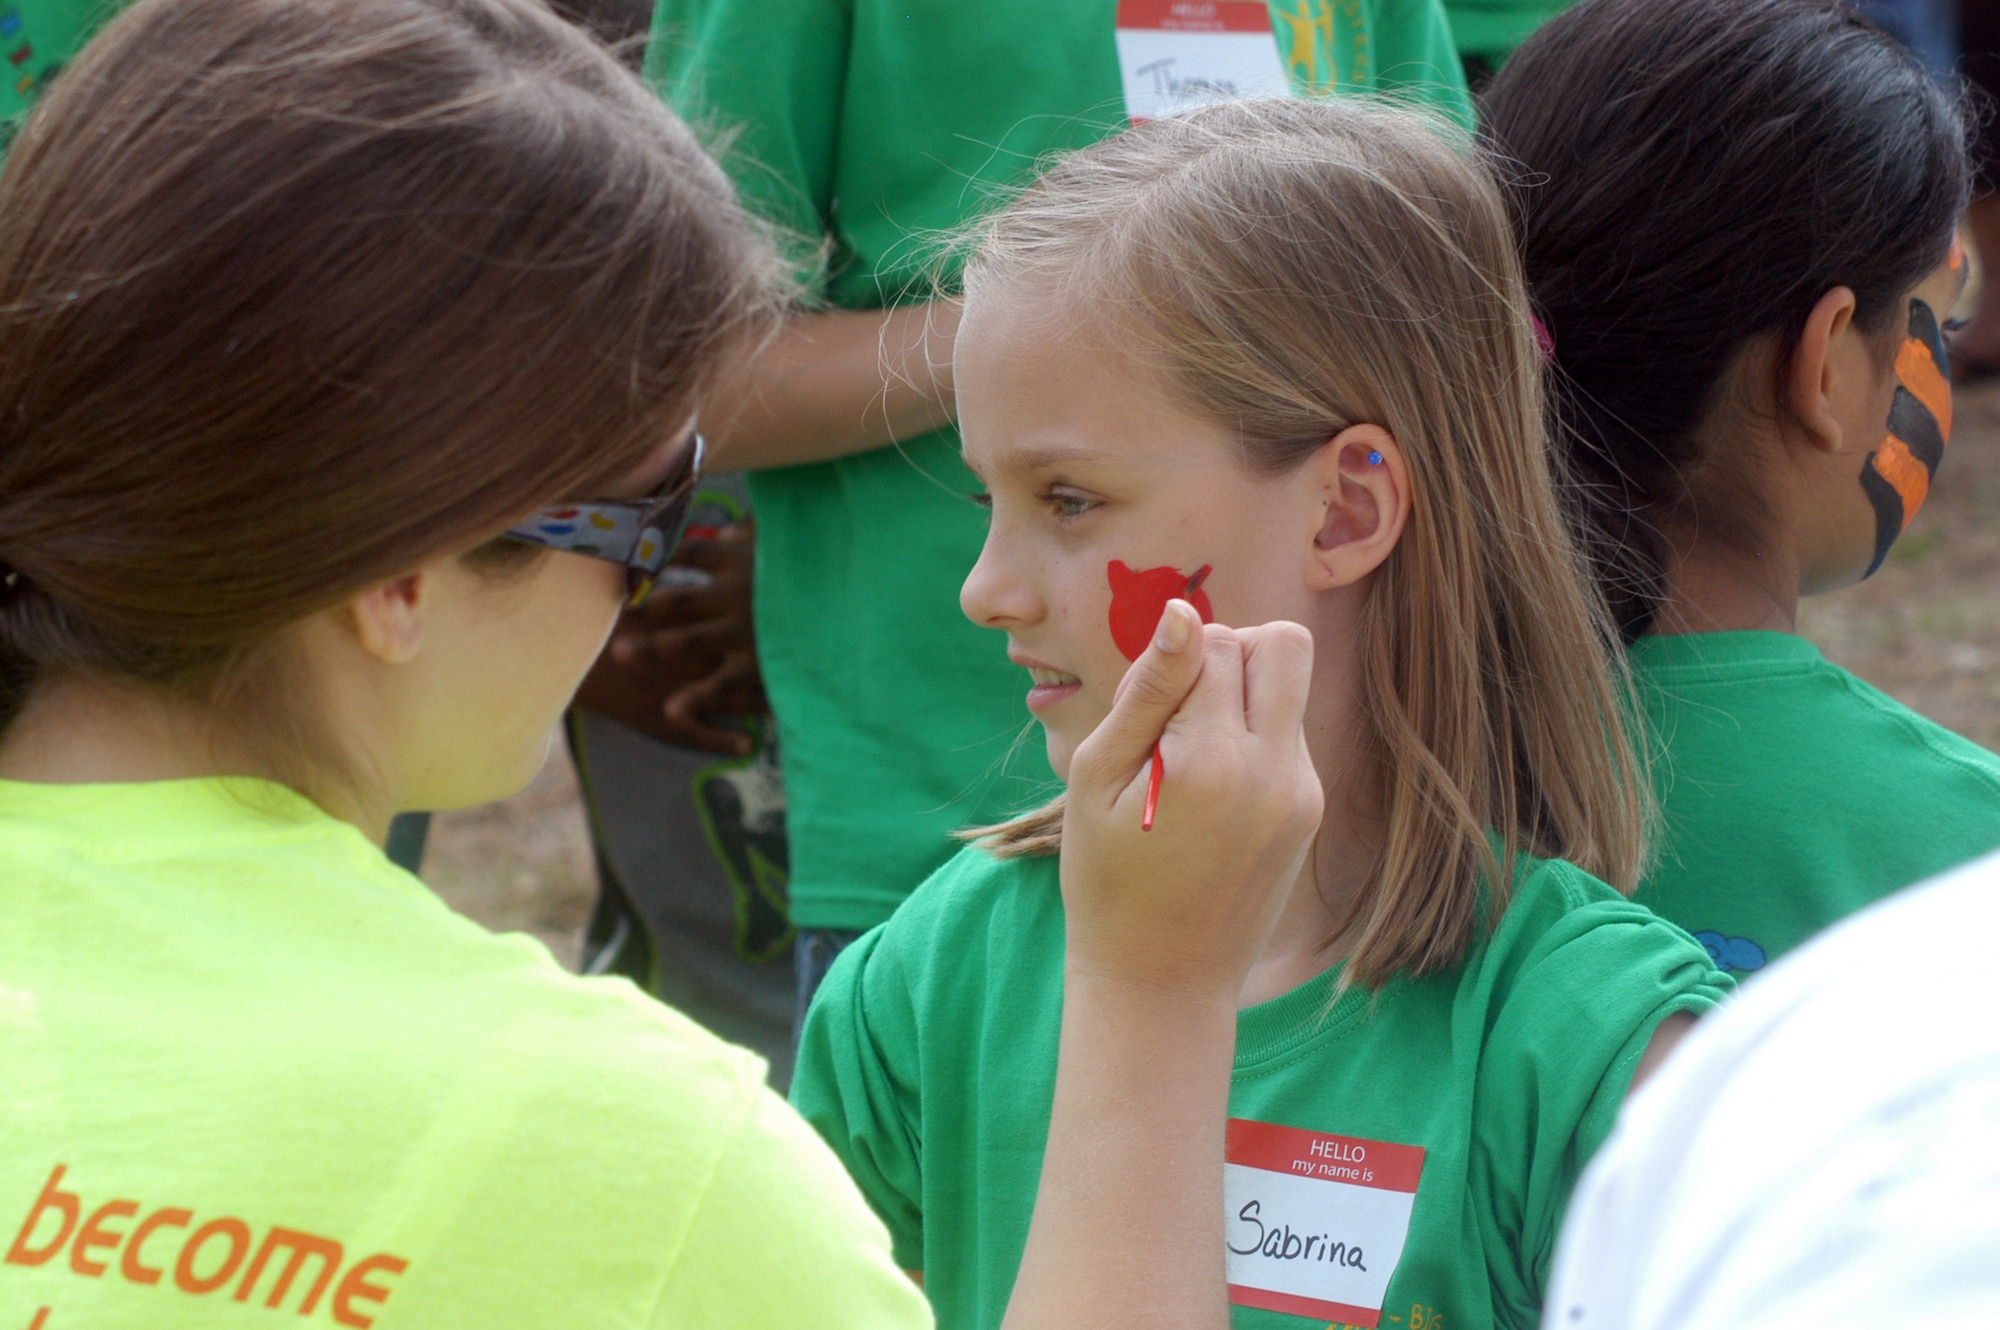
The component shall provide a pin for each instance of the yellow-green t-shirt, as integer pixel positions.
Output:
(249, 1072)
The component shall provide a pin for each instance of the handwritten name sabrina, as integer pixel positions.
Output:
(1279, 1243)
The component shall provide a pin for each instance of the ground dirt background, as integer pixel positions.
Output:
(1925, 629)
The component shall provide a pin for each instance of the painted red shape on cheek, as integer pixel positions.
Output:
(1138, 599)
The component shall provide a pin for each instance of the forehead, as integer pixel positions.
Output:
(1037, 388)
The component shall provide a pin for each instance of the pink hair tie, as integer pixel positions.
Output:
(1544, 339)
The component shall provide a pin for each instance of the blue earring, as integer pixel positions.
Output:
(1374, 458)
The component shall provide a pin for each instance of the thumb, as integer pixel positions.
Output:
(1152, 690)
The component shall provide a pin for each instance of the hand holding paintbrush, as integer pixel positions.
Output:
(1196, 894)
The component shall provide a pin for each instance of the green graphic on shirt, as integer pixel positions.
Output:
(1306, 32)
(741, 804)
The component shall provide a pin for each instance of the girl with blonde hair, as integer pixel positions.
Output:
(1269, 363)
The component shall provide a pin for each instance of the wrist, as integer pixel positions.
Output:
(1138, 1003)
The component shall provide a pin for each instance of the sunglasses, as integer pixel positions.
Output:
(640, 533)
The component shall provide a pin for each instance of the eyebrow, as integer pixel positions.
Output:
(1039, 459)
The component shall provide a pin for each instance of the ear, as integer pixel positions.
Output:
(1830, 353)
(389, 617)
(1364, 503)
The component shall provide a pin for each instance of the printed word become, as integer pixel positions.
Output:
(207, 1258)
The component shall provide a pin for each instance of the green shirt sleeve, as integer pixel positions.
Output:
(763, 82)
(1577, 1014)
(848, 1085)
(1413, 53)
(781, 1240)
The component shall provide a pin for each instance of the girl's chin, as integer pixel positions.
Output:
(1060, 749)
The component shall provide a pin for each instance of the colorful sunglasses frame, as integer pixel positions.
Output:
(641, 533)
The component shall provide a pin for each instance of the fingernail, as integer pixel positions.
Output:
(1172, 634)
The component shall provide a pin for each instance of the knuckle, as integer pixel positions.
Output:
(1151, 687)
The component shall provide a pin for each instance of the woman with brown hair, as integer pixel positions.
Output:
(349, 358)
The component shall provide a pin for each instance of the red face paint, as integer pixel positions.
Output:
(1139, 599)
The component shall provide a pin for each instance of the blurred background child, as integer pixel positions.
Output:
(1738, 220)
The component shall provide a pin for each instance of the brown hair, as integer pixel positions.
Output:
(1298, 267)
(298, 294)
(1691, 177)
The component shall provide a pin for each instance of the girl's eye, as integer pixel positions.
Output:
(1953, 325)
(983, 499)
(1069, 505)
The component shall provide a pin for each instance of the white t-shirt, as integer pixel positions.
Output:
(1824, 1151)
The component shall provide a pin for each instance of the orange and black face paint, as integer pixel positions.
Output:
(1897, 478)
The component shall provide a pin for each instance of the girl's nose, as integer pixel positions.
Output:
(996, 593)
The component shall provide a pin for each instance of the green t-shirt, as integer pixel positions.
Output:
(1793, 793)
(249, 1065)
(1492, 29)
(37, 37)
(878, 123)
(929, 1063)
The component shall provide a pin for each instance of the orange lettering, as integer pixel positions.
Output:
(41, 1319)
(52, 1198)
(302, 1245)
(355, 1286)
(172, 1217)
(238, 1234)
(94, 1234)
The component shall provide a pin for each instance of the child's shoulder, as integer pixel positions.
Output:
(975, 904)
(1567, 925)
(1565, 933)
(974, 886)
(1943, 747)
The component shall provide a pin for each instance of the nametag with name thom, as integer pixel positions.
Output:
(1315, 1223)
(1176, 55)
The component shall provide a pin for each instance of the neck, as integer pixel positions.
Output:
(1716, 586)
(1348, 848)
(90, 731)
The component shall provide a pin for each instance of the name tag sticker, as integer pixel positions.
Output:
(1316, 1223)
(1175, 55)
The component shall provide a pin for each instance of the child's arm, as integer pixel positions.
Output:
(838, 383)
(766, 81)
(1162, 928)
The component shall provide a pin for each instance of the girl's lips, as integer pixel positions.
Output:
(1044, 696)
(1050, 687)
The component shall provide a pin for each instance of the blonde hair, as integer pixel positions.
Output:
(1297, 267)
